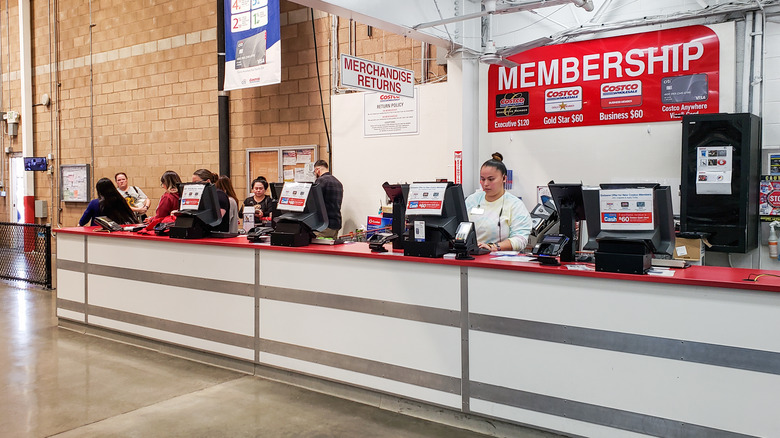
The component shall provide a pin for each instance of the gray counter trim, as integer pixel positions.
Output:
(70, 265)
(369, 306)
(73, 306)
(209, 334)
(675, 349)
(616, 418)
(184, 281)
(464, 339)
(364, 366)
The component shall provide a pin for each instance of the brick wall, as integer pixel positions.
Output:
(152, 105)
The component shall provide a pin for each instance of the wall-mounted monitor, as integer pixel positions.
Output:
(36, 163)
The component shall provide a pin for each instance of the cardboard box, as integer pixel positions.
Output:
(690, 250)
(377, 223)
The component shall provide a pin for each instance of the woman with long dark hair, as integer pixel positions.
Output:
(224, 184)
(108, 203)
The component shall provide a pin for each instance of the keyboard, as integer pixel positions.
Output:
(479, 251)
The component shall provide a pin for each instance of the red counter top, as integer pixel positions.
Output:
(707, 276)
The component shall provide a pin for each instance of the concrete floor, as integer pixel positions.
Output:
(57, 382)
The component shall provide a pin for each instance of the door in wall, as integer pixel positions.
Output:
(16, 177)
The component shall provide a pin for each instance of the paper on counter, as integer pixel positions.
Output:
(661, 272)
(514, 258)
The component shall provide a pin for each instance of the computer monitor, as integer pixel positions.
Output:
(440, 208)
(35, 164)
(397, 193)
(198, 212)
(303, 213)
(276, 189)
(571, 208)
(659, 238)
(634, 221)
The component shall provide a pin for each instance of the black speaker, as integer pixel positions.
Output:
(713, 145)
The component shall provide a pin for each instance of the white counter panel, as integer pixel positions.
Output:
(70, 247)
(230, 313)
(552, 422)
(421, 346)
(70, 285)
(364, 380)
(68, 314)
(731, 317)
(421, 284)
(174, 338)
(692, 393)
(213, 262)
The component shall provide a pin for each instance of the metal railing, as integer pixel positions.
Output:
(25, 253)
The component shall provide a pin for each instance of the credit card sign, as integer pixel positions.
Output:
(688, 88)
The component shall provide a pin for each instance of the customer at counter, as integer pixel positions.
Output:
(205, 175)
(224, 184)
(502, 221)
(170, 199)
(333, 194)
(108, 203)
(264, 205)
(136, 197)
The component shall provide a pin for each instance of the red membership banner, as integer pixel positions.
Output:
(647, 77)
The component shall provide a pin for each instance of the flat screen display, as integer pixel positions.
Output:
(35, 163)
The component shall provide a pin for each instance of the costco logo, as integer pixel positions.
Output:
(621, 94)
(563, 99)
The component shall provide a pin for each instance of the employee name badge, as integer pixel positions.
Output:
(293, 196)
(425, 199)
(477, 211)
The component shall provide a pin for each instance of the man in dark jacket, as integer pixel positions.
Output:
(333, 193)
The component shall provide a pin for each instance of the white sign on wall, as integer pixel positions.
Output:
(373, 76)
(388, 114)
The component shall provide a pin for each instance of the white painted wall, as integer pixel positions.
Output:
(362, 164)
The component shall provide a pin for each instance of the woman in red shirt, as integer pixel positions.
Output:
(171, 198)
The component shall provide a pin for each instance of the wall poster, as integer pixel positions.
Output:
(647, 77)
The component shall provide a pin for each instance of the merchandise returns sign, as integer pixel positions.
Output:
(647, 77)
(372, 76)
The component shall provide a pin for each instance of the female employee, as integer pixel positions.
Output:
(264, 204)
(501, 219)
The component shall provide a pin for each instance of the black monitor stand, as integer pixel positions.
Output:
(568, 227)
(399, 222)
(188, 226)
(288, 233)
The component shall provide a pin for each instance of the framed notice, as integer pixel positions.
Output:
(74, 182)
(769, 198)
(388, 114)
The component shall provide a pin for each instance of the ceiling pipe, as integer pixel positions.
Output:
(516, 7)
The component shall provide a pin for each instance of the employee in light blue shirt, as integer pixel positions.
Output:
(501, 219)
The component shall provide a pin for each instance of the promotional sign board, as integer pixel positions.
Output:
(253, 52)
(373, 76)
(626, 209)
(293, 196)
(769, 198)
(425, 198)
(648, 77)
(190, 197)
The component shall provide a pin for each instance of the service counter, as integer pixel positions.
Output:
(580, 352)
